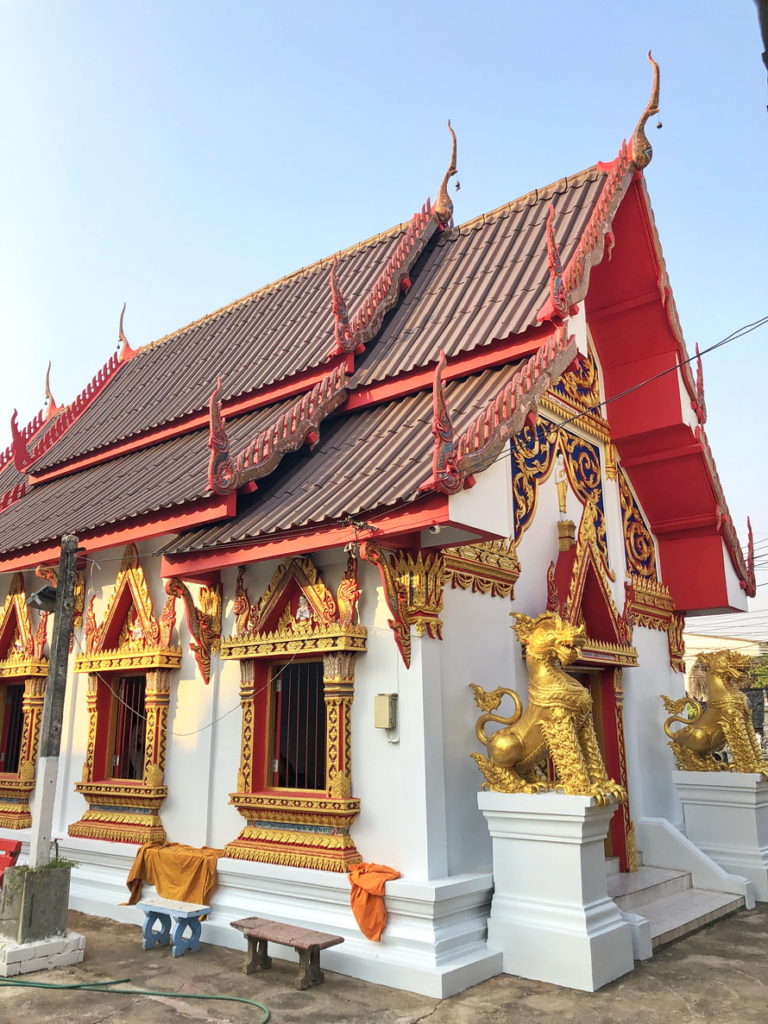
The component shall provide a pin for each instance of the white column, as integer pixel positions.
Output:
(726, 816)
(551, 916)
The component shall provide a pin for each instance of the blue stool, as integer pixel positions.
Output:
(186, 916)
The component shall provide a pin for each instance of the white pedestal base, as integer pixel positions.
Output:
(551, 916)
(40, 955)
(726, 815)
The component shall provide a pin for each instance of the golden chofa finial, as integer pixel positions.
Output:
(642, 150)
(443, 205)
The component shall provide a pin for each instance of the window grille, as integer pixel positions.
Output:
(11, 727)
(298, 759)
(128, 754)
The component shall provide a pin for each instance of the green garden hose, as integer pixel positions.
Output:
(101, 986)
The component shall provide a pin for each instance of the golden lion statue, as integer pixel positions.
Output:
(726, 720)
(557, 722)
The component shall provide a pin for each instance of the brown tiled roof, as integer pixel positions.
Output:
(167, 474)
(477, 282)
(482, 281)
(275, 333)
(374, 458)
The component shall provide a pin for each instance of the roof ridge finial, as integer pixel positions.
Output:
(126, 352)
(52, 408)
(640, 148)
(343, 340)
(443, 205)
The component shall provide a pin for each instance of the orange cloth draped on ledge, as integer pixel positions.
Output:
(178, 872)
(367, 897)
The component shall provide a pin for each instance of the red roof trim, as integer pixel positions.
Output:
(430, 511)
(186, 424)
(198, 513)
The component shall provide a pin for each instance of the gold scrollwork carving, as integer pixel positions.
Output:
(488, 567)
(639, 546)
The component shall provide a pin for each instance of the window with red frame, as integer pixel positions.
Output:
(129, 728)
(298, 738)
(11, 726)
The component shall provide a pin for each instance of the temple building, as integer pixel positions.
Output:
(305, 520)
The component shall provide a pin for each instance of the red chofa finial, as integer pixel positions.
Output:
(220, 474)
(52, 409)
(445, 476)
(21, 457)
(343, 340)
(443, 208)
(557, 304)
(126, 352)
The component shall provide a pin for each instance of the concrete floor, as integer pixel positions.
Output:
(718, 975)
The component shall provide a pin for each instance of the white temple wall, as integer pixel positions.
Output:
(478, 647)
(650, 762)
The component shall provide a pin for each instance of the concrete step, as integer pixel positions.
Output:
(612, 866)
(682, 913)
(634, 890)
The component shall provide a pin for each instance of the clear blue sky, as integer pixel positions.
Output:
(176, 155)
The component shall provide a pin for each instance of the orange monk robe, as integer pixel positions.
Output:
(367, 897)
(178, 872)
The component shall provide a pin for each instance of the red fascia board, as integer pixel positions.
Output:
(430, 511)
(693, 568)
(499, 352)
(155, 524)
(194, 421)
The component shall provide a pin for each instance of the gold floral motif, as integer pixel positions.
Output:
(534, 452)
(677, 642)
(639, 546)
(294, 640)
(322, 852)
(204, 623)
(119, 827)
(557, 722)
(488, 567)
(421, 577)
(725, 720)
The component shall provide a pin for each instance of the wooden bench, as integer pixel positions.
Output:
(158, 910)
(308, 944)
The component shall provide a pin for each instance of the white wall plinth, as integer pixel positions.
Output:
(726, 815)
(551, 916)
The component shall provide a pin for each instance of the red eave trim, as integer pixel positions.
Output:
(194, 421)
(430, 511)
(499, 352)
(198, 513)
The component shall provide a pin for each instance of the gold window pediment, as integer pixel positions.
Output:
(129, 637)
(21, 649)
(296, 614)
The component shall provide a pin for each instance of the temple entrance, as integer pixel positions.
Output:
(604, 685)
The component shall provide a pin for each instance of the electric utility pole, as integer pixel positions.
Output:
(53, 708)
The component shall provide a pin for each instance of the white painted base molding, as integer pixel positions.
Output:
(551, 915)
(726, 815)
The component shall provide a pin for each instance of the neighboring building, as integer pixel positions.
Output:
(338, 487)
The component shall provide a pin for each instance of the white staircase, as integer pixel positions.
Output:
(667, 900)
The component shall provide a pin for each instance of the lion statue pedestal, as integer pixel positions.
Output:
(726, 816)
(551, 915)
